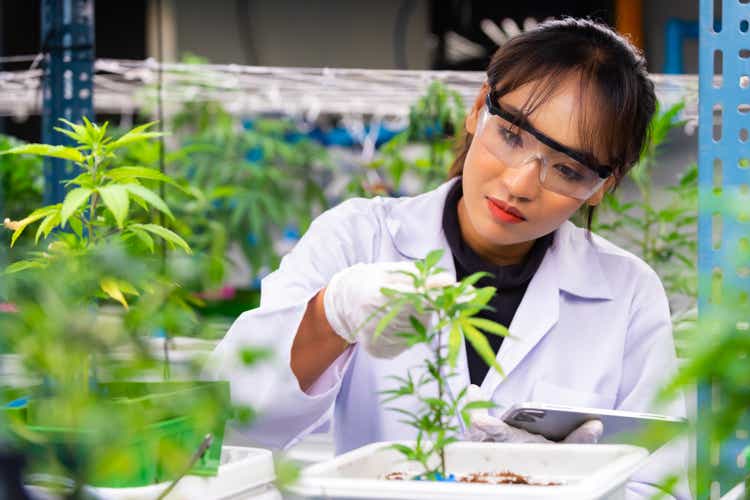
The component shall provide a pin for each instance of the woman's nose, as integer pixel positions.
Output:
(523, 180)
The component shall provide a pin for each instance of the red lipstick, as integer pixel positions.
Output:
(504, 212)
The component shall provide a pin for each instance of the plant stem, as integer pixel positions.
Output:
(440, 363)
(90, 222)
(94, 199)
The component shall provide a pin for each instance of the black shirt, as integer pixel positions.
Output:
(511, 281)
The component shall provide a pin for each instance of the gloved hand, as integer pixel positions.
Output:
(485, 427)
(353, 295)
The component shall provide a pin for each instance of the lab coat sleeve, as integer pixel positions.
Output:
(649, 364)
(339, 238)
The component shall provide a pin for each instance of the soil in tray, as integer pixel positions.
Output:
(505, 477)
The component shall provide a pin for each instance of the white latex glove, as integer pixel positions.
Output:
(485, 427)
(353, 295)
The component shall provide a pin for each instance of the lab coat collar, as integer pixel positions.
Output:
(416, 227)
(571, 264)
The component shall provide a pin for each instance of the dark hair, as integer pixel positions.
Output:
(612, 75)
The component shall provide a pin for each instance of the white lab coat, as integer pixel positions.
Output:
(593, 329)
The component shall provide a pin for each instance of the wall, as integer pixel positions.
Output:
(314, 33)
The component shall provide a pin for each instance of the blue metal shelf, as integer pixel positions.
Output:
(68, 47)
(724, 201)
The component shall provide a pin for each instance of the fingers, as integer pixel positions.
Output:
(590, 432)
(523, 436)
(492, 426)
(440, 280)
(500, 432)
(397, 277)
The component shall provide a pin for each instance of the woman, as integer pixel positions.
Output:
(562, 116)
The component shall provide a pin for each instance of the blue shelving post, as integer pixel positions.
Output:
(724, 214)
(68, 48)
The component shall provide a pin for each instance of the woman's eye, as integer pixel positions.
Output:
(568, 173)
(511, 138)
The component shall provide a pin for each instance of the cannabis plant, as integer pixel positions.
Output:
(21, 191)
(21, 181)
(258, 177)
(97, 207)
(435, 122)
(454, 308)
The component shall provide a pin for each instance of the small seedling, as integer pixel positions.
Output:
(454, 308)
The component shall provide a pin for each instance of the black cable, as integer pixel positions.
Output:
(244, 30)
(399, 33)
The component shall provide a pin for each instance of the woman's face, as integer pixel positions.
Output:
(488, 182)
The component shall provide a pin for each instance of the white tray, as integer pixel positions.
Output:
(244, 473)
(588, 471)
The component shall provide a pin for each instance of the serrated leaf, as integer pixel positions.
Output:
(112, 289)
(72, 202)
(473, 278)
(77, 226)
(489, 326)
(481, 345)
(64, 152)
(164, 233)
(145, 238)
(483, 295)
(34, 216)
(127, 287)
(404, 450)
(69, 133)
(454, 345)
(22, 265)
(149, 197)
(223, 192)
(77, 128)
(387, 318)
(83, 179)
(466, 417)
(417, 325)
(47, 225)
(433, 258)
(475, 405)
(115, 198)
(134, 135)
(134, 172)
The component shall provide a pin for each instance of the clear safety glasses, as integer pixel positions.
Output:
(516, 143)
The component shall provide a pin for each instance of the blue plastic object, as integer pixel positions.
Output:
(18, 403)
(676, 33)
(439, 477)
(291, 233)
(722, 156)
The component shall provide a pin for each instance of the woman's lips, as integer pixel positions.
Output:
(504, 212)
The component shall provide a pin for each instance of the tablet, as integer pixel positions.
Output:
(555, 422)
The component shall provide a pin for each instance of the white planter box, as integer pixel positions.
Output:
(588, 471)
(246, 473)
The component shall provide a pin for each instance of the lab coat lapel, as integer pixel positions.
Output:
(570, 265)
(538, 312)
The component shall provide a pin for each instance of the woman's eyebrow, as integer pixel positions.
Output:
(522, 120)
